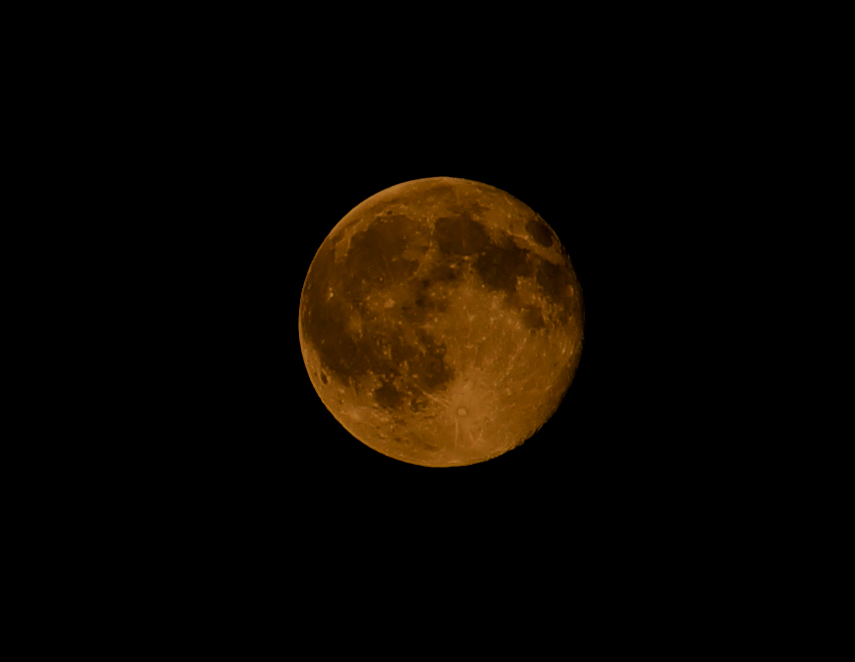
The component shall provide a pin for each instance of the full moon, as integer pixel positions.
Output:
(441, 322)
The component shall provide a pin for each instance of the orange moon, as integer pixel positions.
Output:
(441, 322)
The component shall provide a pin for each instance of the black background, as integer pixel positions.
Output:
(211, 164)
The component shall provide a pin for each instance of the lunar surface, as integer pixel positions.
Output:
(441, 322)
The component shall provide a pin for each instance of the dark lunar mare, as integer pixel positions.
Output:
(501, 261)
(374, 261)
